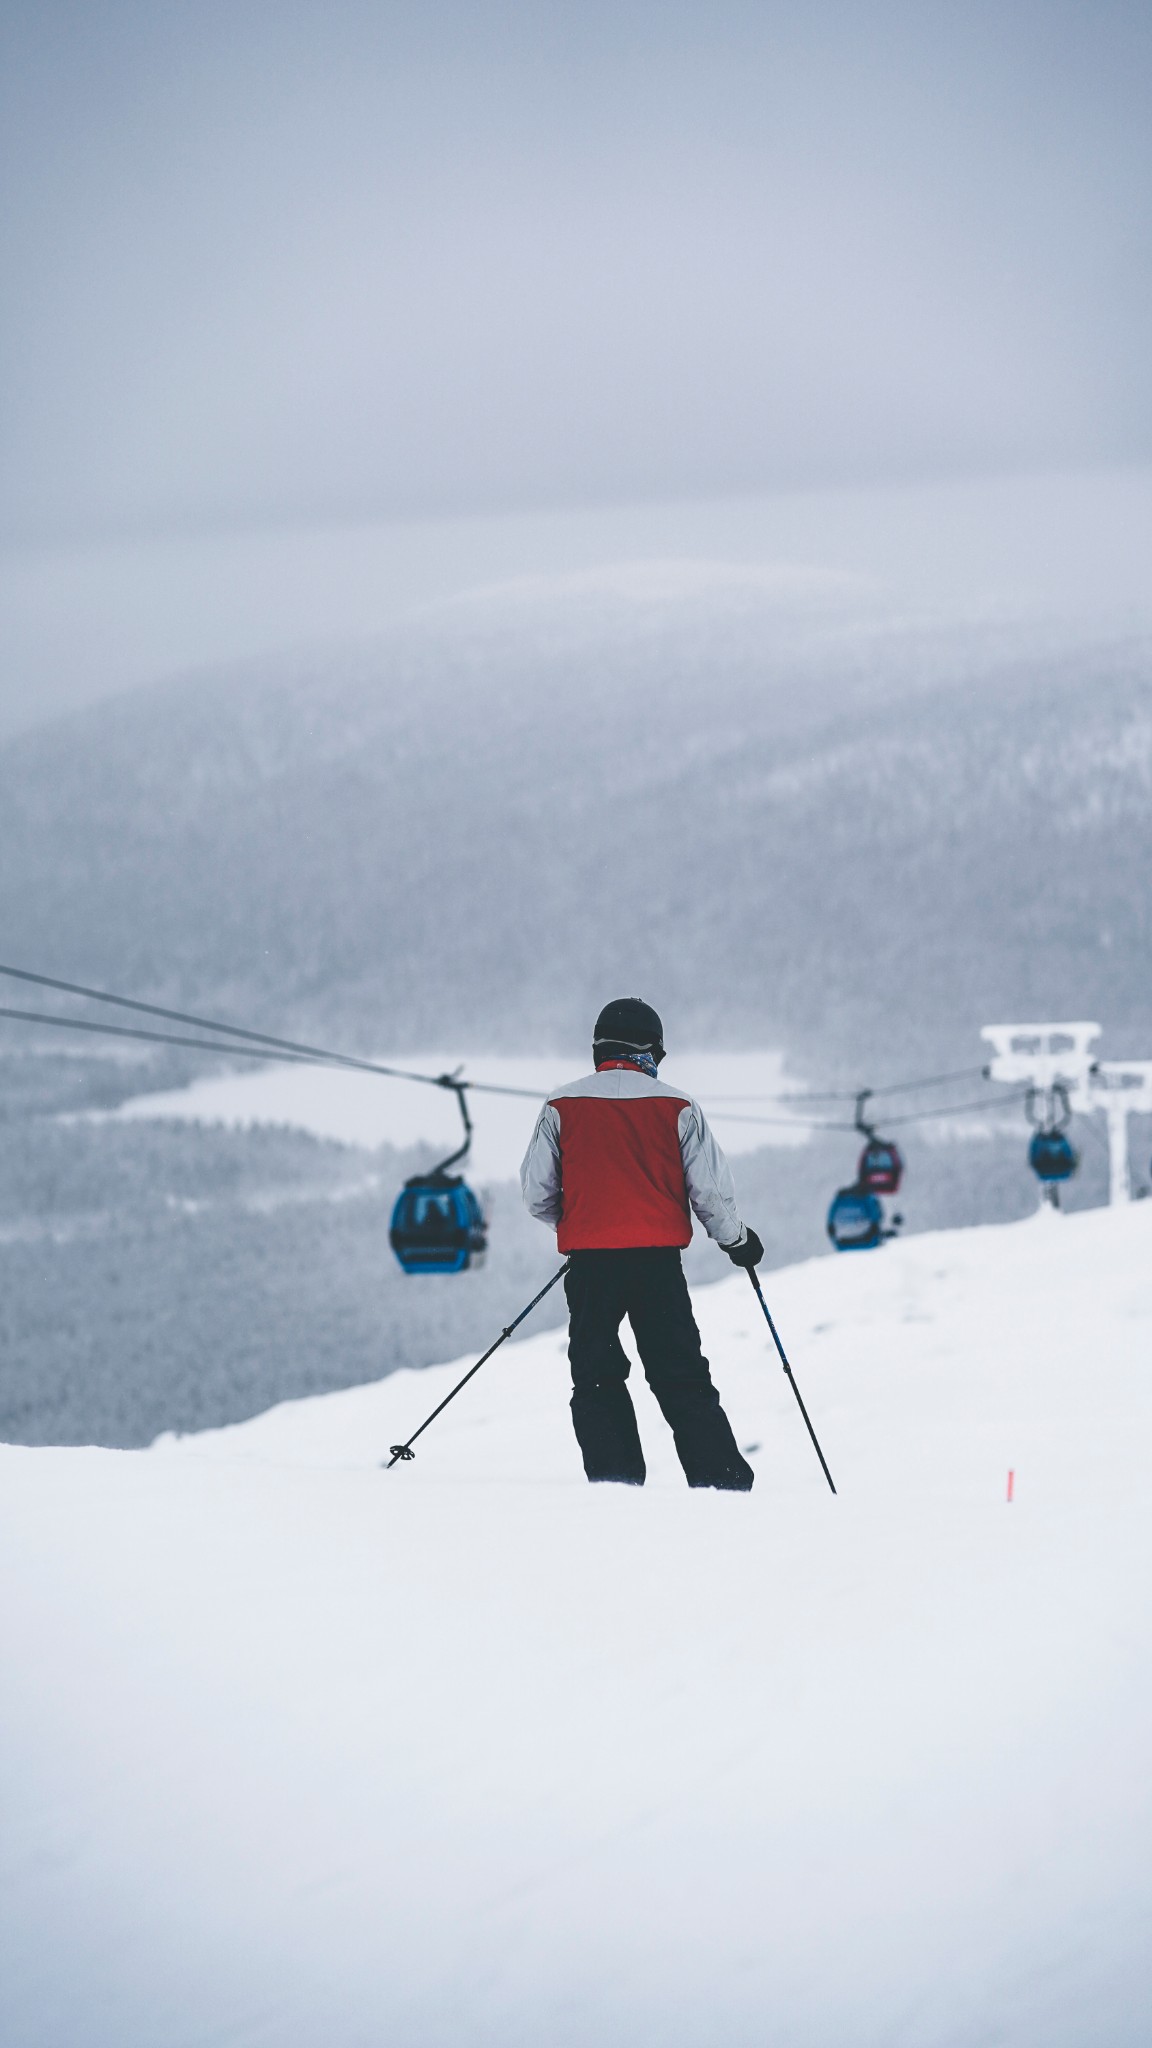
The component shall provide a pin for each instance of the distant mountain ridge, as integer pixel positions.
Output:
(784, 815)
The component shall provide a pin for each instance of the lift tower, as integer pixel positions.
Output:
(1056, 1064)
(1057, 1060)
(1121, 1088)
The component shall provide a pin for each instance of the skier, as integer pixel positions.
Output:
(616, 1162)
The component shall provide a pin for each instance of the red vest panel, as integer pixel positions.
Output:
(621, 1173)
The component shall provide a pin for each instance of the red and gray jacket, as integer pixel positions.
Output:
(618, 1161)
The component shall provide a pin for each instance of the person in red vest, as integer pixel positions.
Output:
(617, 1164)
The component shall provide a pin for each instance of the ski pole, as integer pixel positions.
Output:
(751, 1272)
(404, 1451)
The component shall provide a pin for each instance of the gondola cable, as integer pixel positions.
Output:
(163, 1038)
(299, 1052)
(278, 1049)
(851, 1094)
(918, 1116)
(437, 1223)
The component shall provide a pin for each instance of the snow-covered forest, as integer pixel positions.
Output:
(898, 828)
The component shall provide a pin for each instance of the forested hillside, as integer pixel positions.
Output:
(786, 816)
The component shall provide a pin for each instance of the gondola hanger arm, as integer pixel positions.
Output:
(459, 1090)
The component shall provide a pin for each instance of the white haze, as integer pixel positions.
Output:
(293, 263)
(80, 622)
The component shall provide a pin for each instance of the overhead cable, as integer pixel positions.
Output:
(853, 1094)
(926, 1116)
(784, 1123)
(314, 1054)
(263, 1045)
(247, 1052)
(919, 1116)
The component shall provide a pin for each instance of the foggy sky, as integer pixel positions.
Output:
(268, 262)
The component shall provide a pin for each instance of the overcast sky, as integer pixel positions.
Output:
(267, 261)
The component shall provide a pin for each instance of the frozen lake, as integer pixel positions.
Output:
(362, 1109)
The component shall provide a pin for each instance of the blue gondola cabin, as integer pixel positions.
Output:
(437, 1225)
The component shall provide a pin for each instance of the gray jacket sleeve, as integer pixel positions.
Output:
(708, 1177)
(540, 1171)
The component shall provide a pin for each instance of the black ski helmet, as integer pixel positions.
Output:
(628, 1025)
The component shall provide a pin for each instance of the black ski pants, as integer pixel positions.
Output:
(647, 1286)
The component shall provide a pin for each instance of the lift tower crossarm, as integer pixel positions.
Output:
(1056, 1063)
(1045, 1056)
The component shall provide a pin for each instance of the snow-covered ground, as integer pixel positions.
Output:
(737, 1089)
(301, 1752)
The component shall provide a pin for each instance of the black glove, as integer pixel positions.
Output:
(747, 1254)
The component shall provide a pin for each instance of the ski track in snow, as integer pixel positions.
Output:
(298, 1751)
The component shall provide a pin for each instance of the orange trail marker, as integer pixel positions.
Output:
(1011, 1484)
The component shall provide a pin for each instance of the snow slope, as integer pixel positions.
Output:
(300, 1752)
